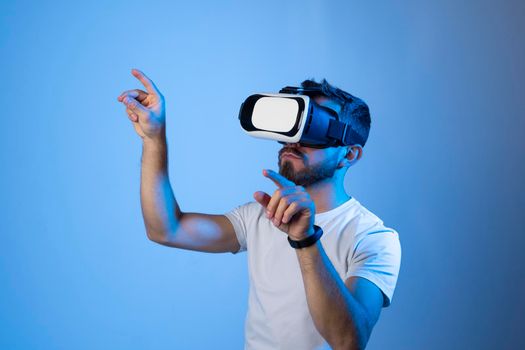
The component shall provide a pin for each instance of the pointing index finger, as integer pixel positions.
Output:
(148, 84)
(277, 178)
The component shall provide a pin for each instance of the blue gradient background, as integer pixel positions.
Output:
(444, 163)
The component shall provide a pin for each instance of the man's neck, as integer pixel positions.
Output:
(327, 195)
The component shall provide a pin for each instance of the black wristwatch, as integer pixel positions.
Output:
(308, 241)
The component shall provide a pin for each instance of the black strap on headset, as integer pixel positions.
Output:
(338, 130)
(343, 132)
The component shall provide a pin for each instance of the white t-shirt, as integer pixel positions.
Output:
(355, 240)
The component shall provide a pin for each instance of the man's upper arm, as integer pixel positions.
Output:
(368, 295)
(214, 233)
(203, 232)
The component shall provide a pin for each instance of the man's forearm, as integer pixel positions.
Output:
(338, 317)
(159, 207)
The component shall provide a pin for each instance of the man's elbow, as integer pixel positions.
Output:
(163, 234)
(354, 339)
(155, 237)
(351, 343)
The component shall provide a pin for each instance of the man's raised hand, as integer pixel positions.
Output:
(145, 109)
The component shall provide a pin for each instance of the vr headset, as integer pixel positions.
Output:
(292, 116)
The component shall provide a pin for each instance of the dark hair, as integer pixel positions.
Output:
(354, 111)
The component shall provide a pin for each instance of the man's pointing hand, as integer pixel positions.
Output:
(290, 207)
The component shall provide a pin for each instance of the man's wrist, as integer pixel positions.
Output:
(308, 233)
(310, 239)
(156, 141)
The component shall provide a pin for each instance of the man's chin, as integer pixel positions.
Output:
(288, 170)
(296, 164)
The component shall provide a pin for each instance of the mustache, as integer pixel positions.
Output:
(293, 151)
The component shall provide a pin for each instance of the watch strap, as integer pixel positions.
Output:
(308, 241)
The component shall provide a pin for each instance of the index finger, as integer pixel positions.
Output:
(148, 84)
(277, 178)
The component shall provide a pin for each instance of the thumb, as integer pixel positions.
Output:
(262, 197)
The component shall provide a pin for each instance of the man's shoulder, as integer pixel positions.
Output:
(368, 222)
(251, 205)
(247, 209)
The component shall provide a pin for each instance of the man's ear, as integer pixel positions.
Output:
(353, 154)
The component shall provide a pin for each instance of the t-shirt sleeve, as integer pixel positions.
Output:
(237, 216)
(377, 257)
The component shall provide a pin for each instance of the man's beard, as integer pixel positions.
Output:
(309, 175)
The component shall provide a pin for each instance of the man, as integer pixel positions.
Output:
(330, 289)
